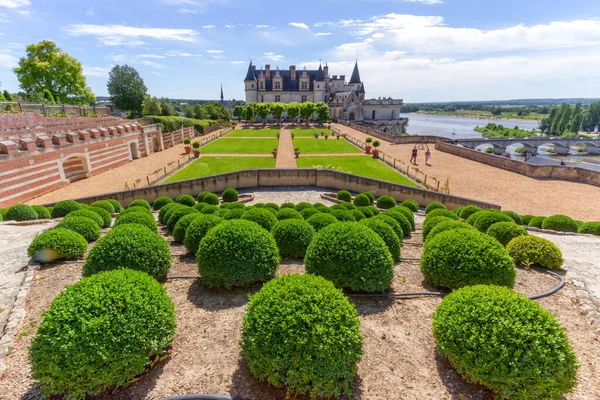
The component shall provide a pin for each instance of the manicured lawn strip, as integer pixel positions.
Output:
(324, 146)
(310, 131)
(266, 132)
(363, 166)
(205, 166)
(241, 146)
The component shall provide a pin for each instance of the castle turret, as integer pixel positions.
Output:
(250, 85)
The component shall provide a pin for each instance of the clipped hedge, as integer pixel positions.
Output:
(362, 200)
(262, 217)
(105, 215)
(89, 214)
(488, 218)
(211, 199)
(357, 215)
(352, 256)
(161, 202)
(137, 218)
(140, 203)
(293, 237)
(386, 202)
(527, 250)
(287, 205)
(212, 209)
(560, 223)
(309, 212)
(536, 222)
(453, 259)
(287, 213)
(440, 212)
(434, 206)
(182, 226)
(473, 217)
(86, 227)
(116, 205)
(407, 213)
(392, 223)
(344, 195)
(164, 210)
(235, 213)
(110, 328)
(136, 209)
(64, 207)
(504, 232)
(385, 232)
(321, 220)
(449, 225)
(401, 220)
(303, 206)
(237, 253)
(177, 214)
(457, 211)
(42, 212)
(21, 212)
(198, 229)
(366, 211)
(186, 200)
(342, 215)
(590, 227)
(104, 204)
(201, 196)
(412, 205)
(306, 310)
(514, 216)
(231, 206)
(525, 219)
(272, 206)
(498, 338)
(57, 244)
(371, 197)
(230, 195)
(348, 206)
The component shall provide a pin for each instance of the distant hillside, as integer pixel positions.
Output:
(515, 102)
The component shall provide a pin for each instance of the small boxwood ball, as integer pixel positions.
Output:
(140, 203)
(200, 206)
(338, 207)
(527, 250)
(309, 212)
(186, 200)
(105, 204)
(402, 220)
(515, 217)
(21, 212)
(343, 215)
(366, 211)
(197, 230)
(302, 206)
(504, 232)
(161, 202)
(87, 213)
(525, 219)
(371, 197)
(136, 209)
(164, 210)
(348, 206)
(211, 198)
(473, 217)
(272, 206)
(536, 222)
(344, 195)
(211, 209)
(287, 205)
(488, 218)
(105, 215)
(130, 246)
(434, 206)
(352, 256)
(374, 210)
(411, 205)
(385, 232)
(262, 217)
(453, 259)
(110, 328)
(237, 253)
(469, 210)
(177, 214)
(292, 333)
(320, 206)
(430, 223)
(231, 206)
(42, 212)
(182, 226)
(560, 223)
(449, 225)
(440, 212)
(117, 206)
(293, 237)
(235, 213)
(57, 244)
(362, 200)
(392, 223)
(500, 339)
(287, 213)
(386, 202)
(88, 228)
(137, 218)
(410, 216)
(64, 207)
(321, 220)
(590, 227)
(201, 197)
(357, 215)
(230, 195)
(457, 211)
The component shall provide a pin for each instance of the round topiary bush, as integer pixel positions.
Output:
(303, 206)
(457, 211)
(362, 200)
(117, 206)
(87, 213)
(386, 202)
(293, 237)
(140, 203)
(560, 223)
(64, 207)
(392, 223)
(504, 232)
(201, 197)
(235, 213)
(104, 204)
(527, 250)
(177, 214)
(473, 217)
(230, 195)
(344, 195)
(371, 197)
(504, 341)
(411, 205)
(401, 220)
(232, 206)
(488, 218)
(434, 206)
(536, 222)
(342, 215)
(237, 253)
(319, 317)
(449, 225)
(137, 218)
(211, 199)
(321, 220)
(525, 219)
(182, 226)
(385, 232)
(3, 212)
(309, 212)
(165, 209)
(430, 223)
(366, 211)
(320, 206)
(352, 256)
(161, 202)
(105, 215)
(348, 206)
(287, 205)
(198, 229)
(262, 217)
(407, 213)
(21, 212)
(86, 227)
(272, 206)
(590, 227)
(338, 207)
(357, 215)
(440, 212)
(130, 246)
(467, 211)
(212, 209)
(287, 213)
(42, 212)
(186, 200)
(110, 327)
(514, 216)
(374, 210)
(57, 244)
(137, 209)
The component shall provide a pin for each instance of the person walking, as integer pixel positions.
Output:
(427, 157)
(413, 158)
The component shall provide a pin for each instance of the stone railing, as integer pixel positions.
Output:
(408, 139)
(49, 110)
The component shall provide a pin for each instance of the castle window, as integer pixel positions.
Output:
(277, 98)
(253, 86)
(304, 85)
(318, 86)
(262, 98)
(262, 85)
(303, 98)
(277, 85)
(373, 116)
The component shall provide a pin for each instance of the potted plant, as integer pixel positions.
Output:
(326, 136)
(293, 136)
(296, 152)
(278, 135)
(316, 135)
(322, 133)
(337, 135)
(274, 153)
(376, 144)
(368, 147)
(187, 142)
(196, 146)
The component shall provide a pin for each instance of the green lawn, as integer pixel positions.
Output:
(363, 166)
(309, 131)
(254, 132)
(325, 146)
(205, 166)
(240, 146)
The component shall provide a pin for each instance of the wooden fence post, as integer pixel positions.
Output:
(148, 179)
(425, 179)
(44, 110)
(438, 186)
(20, 106)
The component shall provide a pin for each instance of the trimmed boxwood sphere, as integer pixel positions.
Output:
(500, 339)
(136, 209)
(272, 206)
(293, 237)
(386, 202)
(457, 211)
(292, 333)
(410, 216)
(525, 219)
(362, 200)
(186, 200)
(287, 213)
(352, 256)
(21, 212)
(197, 230)
(140, 203)
(309, 212)
(374, 210)
(385, 232)
(371, 197)
(527, 250)
(232, 206)
(237, 253)
(230, 195)
(536, 222)
(488, 218)
(590, 227)
(344, 195)
(357, 214)
(560, 223)
(321, 220)
(137, 218)
(177, 214)
(87, 213)
(211, 198)
(105, 215)
(86, 227)
(262, 217)
(402, 220)
(235, 213)
(348, 206)
(303, 206)
(182, 226)
(57, 244)
(504, 232)
(110, 328)
(64, 207)
(434, 206)
(287, 205)
(515, 217)
(200, 206)
(320, 206)
(440, 212)
(473, 217)
(104, 204)
(212, 209)
(366, 211)
(469, 210)
(392, 224)
(411, 205)
(449, 225)
(431, 223)
(161, 202)
(342, 215)
(453, 259)
(201, 196)
(42, 212)
(117, 206)
(130, 246)
(164, 210)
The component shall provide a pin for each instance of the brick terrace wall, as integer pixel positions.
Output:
(559, 172)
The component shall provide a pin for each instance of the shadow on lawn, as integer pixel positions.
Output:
(219, 299)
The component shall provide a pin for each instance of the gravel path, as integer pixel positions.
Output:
(285, 152)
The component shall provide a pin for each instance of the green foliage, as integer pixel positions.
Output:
(42, 212)
(488, 218)
(293, 237)
(392, 224)
(116, 205)
(590, 227)
(343, 215)
(344, 195)
(57, 244)
(104, 215)
(469, 210)
(411, 205)
(292, 333)
(235, 213)
(431, 223)
(136, 209)
(492, 131)
(527, 250)
(385, 232)
(101, 333)
(202, 196)
(210, 209)
(230, 195)
(89, 214)
(140, 203)
(407, 213)
(237, 253)
(502, 340)
(453, 259)
(366, 211)
(200, 206)
(211, 199)
(287, 213)
(401, 220)
(64, 207)
(130, 246)
(198, 229)
(358, 216)
(182, 226)
(178, 213)
(137, 218)
(272, 206)
(186, 200)
(86, 227)
(321, 220)
(262, 217)
(457, 211)
(161, 202)
(525, 219)
(386, 202)
(560, 223)
(351, 256)
(302, 206)
(374, 210)
(165, 212)
(126, 89)
(231, 206)
(21, 212)
(536, 222)
(440, 212)
(347, 205)
(514, 216)
(309, 212)
(434, 206)
(288, 205)
(371, 197)
(362, 200)
(448, 225)
(504, 232)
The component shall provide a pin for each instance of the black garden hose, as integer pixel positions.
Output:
(202, 397)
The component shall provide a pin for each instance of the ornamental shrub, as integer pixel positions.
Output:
(117, 206)
(514, 216)
(449, 225)
(211, 209)
(401, 220)
(57, 244)
(136, 209)
(362, 200)
(287, 205)
(371, 197)
(309, 212)
(344, 195)
(130, 246)
(412, 205)
(536, 222)
(504, 232)
(230, 195)
(287, 213)
(110, 327)
(560, 223)
(321, 220)
(186, 200)
(386, 202)
(303, 206)
(137, 218)
(374, 210)
(469, 210)
(293, 237)
(272, 206)
(392, 223)
(3, 212)
(488, 218)
(348, 206)
(64, 207)
(201, 197)
(198, 229)
(342, 215)
(86, 227)
(500, 339)
(87, 213)
(306, 309)
(165, 209)
(235, 213)
(105, 215)
(105, 204)
(182, 226)
(385, 232)
(357, 215)
(440, 212)
(338, 207)
(320, 206)
(211, 199)
(457, 211)
(161, 202)
(262, 217)
(525, 219)
(140, 203)
(231, 206)
(407, 213)
(473, 217)
(366, 211)
(434, 206)
(590, 227)
(431, 223)
(458, 258)
(177, 214)
(237, 253)
(527, 250)
(42, 212)
(200, 206)
(21, 212)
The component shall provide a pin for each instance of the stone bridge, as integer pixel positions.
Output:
(531, 145)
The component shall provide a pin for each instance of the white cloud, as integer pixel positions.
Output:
(122, 35)
(7, 61)
(230, 26)
(299, 25)
(187, 11)
(424, 1)
(323, 33)
(14, 3)
(149, 56)
(264, 26)
(209, 26)
(237, 62)
(152, 64)
(214, 51)
(101, 72)
(181, 54)
(90, 11)
(273, 56)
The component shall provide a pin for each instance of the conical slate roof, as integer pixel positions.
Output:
(250, 74)
(355, 74)
(320, 74)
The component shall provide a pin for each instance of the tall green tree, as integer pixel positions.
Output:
(200, 112)
(126, 89)
(47, 69)
(167, 109)
(306, 111)
(188, 111)
(216, 111)
(293, 110)
(322, 111)
(249, 112)
(277, 109)
(262, 110)
(7, 95)
(151, 106)
(238, 112)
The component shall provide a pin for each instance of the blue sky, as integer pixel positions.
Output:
(418, 50)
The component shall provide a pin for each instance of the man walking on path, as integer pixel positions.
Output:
(413, 158)
(427, 157)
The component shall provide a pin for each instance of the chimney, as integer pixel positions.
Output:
(293, 72)
(335, 77)
(343, 78)
(268, 71)
(326, 71)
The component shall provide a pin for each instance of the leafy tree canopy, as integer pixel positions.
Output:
(126, 88)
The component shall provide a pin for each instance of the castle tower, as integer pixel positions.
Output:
(250, 85)
(355, 78)
(319, 86)
(222, 98)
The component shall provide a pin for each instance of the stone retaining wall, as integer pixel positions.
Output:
(394, 139)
